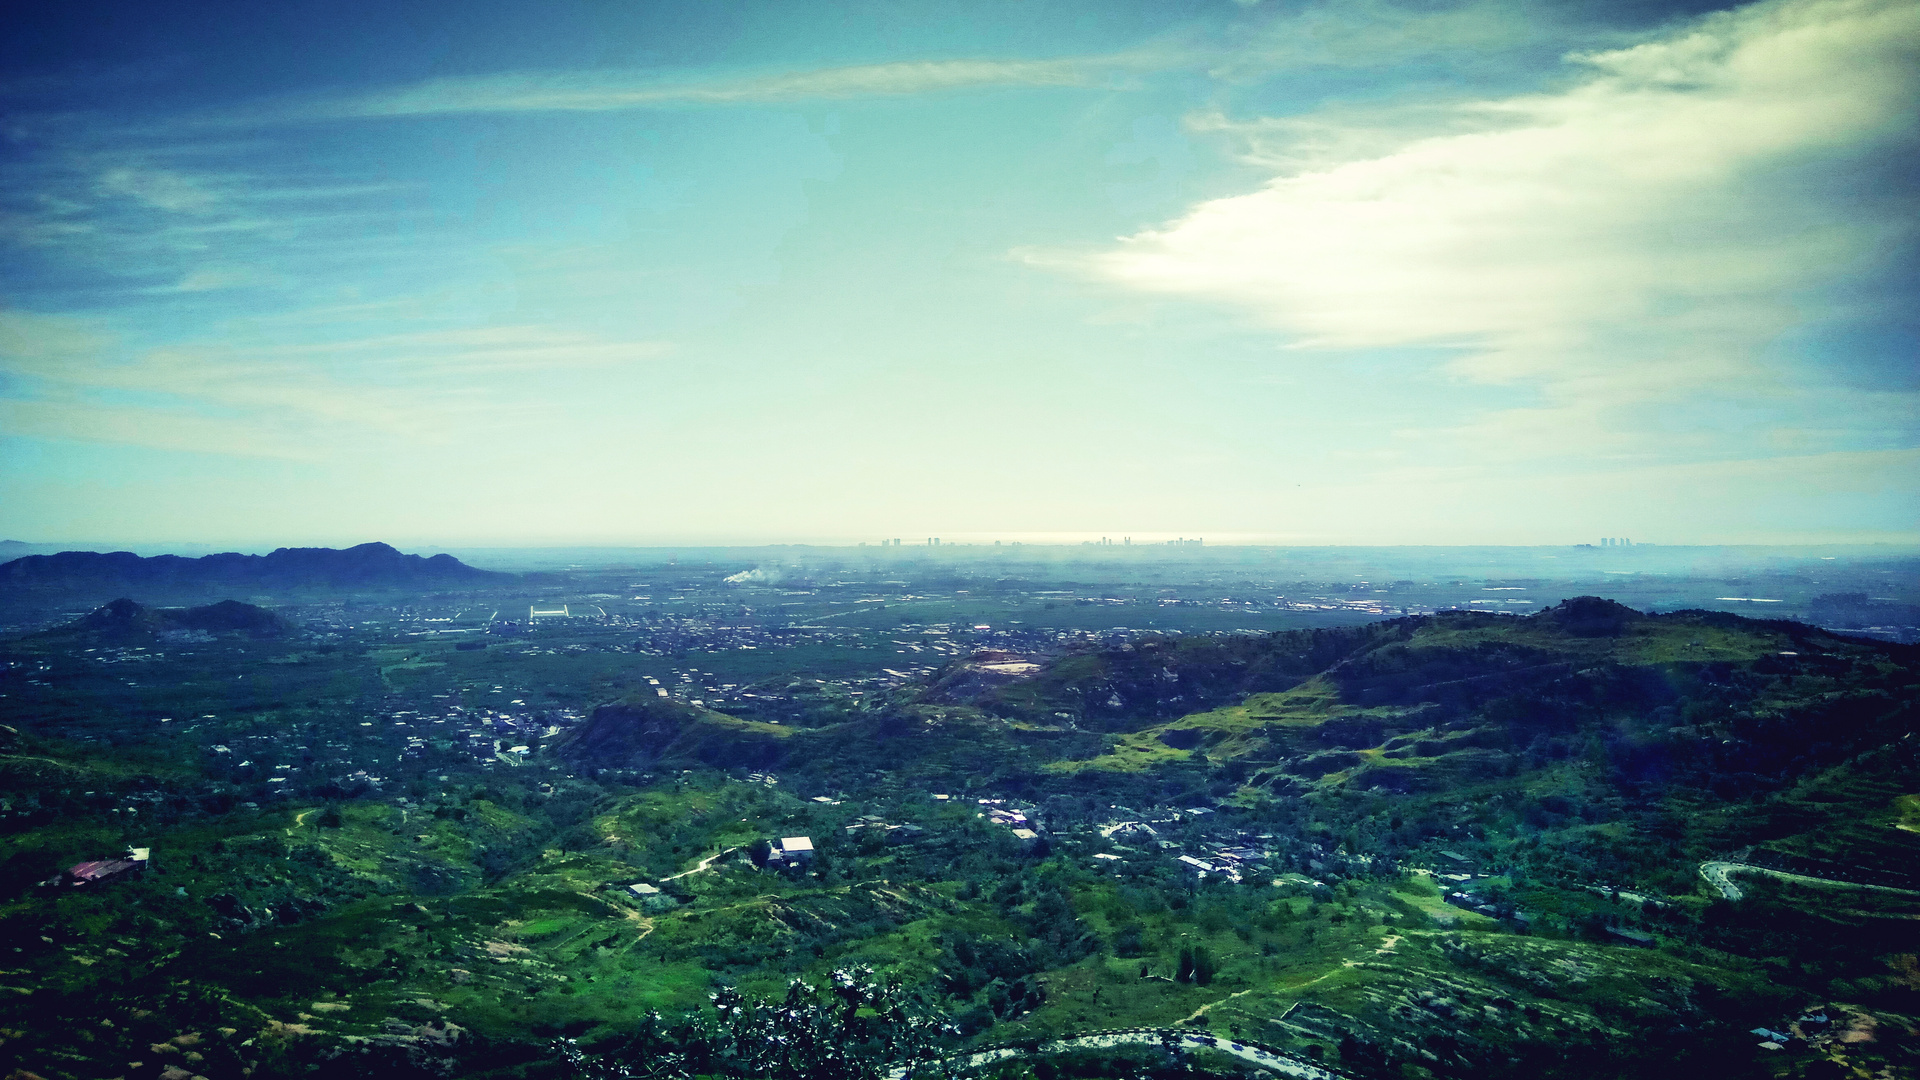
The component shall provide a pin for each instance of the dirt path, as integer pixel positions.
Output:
(645, 924)
(300, 820)
(1194, 1017)
(68, 766)
(703, 865)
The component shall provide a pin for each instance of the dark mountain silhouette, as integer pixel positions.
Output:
(367, 565)
(126, 621)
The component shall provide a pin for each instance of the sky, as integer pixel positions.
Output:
(1356, 272)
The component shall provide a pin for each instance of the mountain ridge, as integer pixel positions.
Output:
(369, 564)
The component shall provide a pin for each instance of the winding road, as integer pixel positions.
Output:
(1719, 874)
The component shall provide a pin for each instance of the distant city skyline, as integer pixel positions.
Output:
(1484, 272)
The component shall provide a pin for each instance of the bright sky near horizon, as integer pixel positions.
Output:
(1363, 271)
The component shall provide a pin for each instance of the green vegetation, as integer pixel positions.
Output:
(1460, 845)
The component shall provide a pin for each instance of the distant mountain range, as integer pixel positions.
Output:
(366, 565)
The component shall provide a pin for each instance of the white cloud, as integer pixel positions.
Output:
(1642, 231)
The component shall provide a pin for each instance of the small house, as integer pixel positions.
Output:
(650, 896)
(98, 871)
(798, 849)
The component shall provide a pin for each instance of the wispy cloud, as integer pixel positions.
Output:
(73, 378)
(158, 188)
(602, 91)
(220, 278)
(121, 221)
(1249, 50)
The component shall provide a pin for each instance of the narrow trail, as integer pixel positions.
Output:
(645, 924)
(703, 865)
(1194, 1016)
(67, 766)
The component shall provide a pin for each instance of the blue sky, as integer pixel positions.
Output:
(1493, 272)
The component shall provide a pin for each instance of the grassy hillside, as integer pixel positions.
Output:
(1458, 846)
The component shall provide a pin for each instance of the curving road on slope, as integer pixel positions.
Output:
(1719, 874)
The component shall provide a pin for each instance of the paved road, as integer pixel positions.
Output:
(1719, 875)
(1274, 1062)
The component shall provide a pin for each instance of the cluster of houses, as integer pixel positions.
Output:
(896, 834)
(1230, 861)
(996, 811)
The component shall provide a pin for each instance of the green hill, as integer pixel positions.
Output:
(125, 622)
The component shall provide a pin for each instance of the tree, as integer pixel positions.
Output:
(1204, 965)
(1196, 965)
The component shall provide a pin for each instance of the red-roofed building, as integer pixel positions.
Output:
(99, 870)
